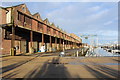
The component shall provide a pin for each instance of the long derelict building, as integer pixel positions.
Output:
(22, 32)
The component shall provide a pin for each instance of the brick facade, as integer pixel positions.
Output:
(25, 22)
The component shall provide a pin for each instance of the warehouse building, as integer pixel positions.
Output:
(22, 32)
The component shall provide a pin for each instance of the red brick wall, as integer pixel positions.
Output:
(24, 11)
(21, 21)
(51, 31)
(34, 22)
(3, 16)
(44, 28)
(60, 34)
(34, 25)
(6, 45)
(57, 33)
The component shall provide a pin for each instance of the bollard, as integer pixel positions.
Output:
(82, 51)
(77, 53)
(31, 50)
(12, 52)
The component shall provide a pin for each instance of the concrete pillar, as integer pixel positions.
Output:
(75, 45)
(42, 39)
(60, 44)
(13, 51)
(71, 45)
(66, 44)
(50, 44)
(31, 42)
(55, 43)
(63, 45)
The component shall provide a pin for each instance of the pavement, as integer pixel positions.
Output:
(59, 67)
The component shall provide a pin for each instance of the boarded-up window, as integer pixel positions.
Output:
(48, 29)
(58, 33)
(54, 31)
(20, 17)
(40, 26)
(27, 20)
(68, 37)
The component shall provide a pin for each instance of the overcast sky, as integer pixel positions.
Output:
(99, 18)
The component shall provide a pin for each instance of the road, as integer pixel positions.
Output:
(59, 67)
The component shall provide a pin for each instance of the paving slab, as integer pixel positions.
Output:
(59, 67)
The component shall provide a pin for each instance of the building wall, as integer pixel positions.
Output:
(2, 16)
(45, 29)
(34, 25)
(8, 16)
(35, 22)
(51, 32)
(5, 44)
(23, 17)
